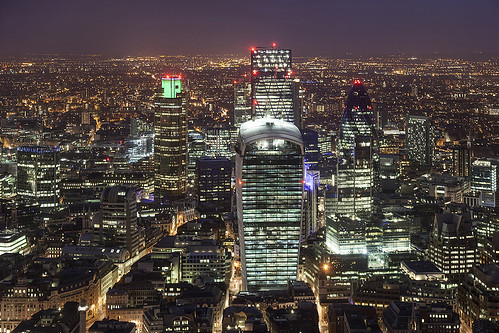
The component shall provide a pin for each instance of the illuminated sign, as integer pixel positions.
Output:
(171, 86)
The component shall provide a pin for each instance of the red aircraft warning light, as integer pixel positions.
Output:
(274, 44)
(357, 82)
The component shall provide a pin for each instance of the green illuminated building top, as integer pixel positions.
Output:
(171, 86)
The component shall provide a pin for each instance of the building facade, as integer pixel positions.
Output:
(269, 190)
(356, 150)
(38, 176)
(484, 180)
(214, 183)
(453, 247)
(274, 93)
(420, 140)
(242, 102)
(170, 141)
(118, 219)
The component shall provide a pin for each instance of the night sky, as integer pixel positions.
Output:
(323, 27)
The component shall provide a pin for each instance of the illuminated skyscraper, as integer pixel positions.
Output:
(420, 140)
(38, 179)
(269, 191)
(242, 102)
(356, 154)
(274, 93)
(170, 141)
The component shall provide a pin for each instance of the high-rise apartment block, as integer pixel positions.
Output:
(420, 140)
(170, 141)
(269, 189)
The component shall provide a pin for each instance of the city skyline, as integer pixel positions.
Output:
(274, 190)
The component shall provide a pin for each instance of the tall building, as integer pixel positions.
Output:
(485, 181)
(118, 219)
(197, 148)
(214, 183)
(38, 175)
(242, 102)
(453, 247)
(420, 140)
(269, 191)
(170, 141)
(274, 93)
(461, 160)
(356, 150)
(312, 180)
(219, 141)
(38, 182)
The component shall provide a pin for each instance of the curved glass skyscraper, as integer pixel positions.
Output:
(356, 152)
(269, 171)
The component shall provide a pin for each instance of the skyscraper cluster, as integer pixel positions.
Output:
(260, 201)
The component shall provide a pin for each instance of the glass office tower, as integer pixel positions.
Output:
(170, 141)
(485, 180)
(269, 189)
(356, 154)
(420, 140)
(38, 178)
(274, 92)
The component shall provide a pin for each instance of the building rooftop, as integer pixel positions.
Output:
(268, 128)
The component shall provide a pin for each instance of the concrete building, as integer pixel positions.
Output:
(453, 247)
(118, 219)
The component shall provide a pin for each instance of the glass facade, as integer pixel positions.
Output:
(274, 92)
(269, 171)
(420, 140)
(484, 179)
(356, 153)
(170, 141)
(242, 102)
(38, 176)
(345, 235)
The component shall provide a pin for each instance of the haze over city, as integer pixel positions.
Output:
(310, 28)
